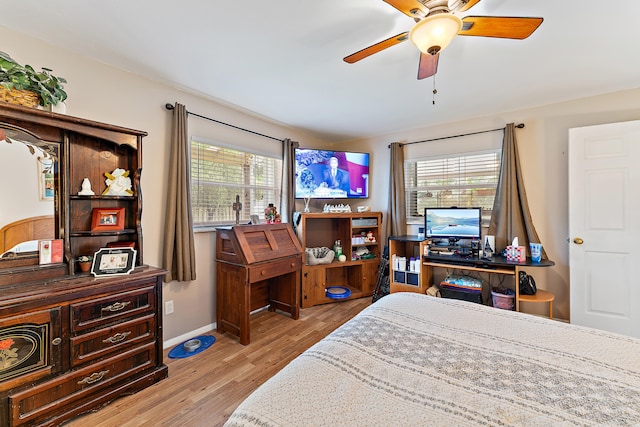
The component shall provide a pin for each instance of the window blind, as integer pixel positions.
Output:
(218, 174)
(462, 180)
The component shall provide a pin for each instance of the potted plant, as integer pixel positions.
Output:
(15, 79)
(84, 261)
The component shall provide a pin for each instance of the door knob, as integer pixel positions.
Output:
(578, 241)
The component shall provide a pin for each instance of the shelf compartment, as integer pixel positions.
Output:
(338, 264)
(101, 197)
(102, 233)
(402, 277)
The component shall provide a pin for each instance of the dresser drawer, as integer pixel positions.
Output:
(268, 270)
(31, 405)
(101, 312)
(103, 342)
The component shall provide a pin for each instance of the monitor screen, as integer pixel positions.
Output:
(452, 223)
(326, 174)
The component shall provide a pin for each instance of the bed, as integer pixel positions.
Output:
(411, 359)
(22, 235)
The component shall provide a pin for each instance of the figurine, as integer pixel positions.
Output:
(118, 183)
(86, 188)
(237, 207)
(271, 215)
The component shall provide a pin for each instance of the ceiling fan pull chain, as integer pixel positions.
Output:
(434, 90)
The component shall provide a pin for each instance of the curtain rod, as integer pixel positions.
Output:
(171, 107)
(519, 126)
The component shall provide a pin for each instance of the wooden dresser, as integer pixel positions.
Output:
(256, 266)
(70, 342)
(80, 343)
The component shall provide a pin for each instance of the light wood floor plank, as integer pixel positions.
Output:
(204, 389)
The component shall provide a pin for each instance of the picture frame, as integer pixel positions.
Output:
(107, 219)
(121, 244)
(46, 183)
(113, 262)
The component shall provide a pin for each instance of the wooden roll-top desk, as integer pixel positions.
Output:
(256, 266)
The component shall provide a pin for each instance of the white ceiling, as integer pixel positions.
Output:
(282, 59)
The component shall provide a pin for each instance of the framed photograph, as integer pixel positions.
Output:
(113, 261)
(107, 219)
(45, 179)
(120, 244)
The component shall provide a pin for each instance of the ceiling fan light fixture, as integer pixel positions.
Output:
(434, 33)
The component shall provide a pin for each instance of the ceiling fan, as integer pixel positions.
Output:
(437, 24)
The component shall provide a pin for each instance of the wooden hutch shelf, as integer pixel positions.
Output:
(80, 342)
(358, 276)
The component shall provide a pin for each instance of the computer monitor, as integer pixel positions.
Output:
(452, 223)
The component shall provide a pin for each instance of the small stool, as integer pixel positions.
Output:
(540, 296)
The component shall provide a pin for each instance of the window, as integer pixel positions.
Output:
(463, 180)
(218, 174)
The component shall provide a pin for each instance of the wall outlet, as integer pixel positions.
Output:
(168, 307)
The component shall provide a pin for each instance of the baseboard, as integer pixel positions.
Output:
(203, 330)
(184, 337)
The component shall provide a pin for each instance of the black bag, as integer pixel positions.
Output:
(527, 284)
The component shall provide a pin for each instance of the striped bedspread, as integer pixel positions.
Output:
(413, 360)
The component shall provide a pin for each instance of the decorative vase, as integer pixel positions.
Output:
(60, 108)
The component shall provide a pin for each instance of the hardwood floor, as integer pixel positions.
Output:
(203, 390)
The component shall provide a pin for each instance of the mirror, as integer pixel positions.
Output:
(27, 191)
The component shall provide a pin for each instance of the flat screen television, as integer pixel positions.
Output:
(452, 223)
(326, 174)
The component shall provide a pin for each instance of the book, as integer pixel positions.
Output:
(50, 251)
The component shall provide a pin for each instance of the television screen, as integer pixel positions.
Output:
(325, 174)
(452, 223)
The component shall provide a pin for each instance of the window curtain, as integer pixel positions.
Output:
(511, 217)
(179, 258)
(288, 198)
(397, 221)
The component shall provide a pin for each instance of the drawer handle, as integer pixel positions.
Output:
(56, 341)
(116, 306)
(93, 378)
(116, 338)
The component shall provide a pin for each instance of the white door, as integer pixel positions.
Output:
(604, 226)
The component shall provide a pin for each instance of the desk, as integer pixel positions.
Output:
(256, 266)
(405, 245)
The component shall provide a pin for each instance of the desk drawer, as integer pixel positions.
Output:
(101, 312)
(106, 341)
(273, 269)
(30, 405)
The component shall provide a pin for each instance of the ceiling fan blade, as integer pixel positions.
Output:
(456, 6)
(506, 27)
(391, 41)
(406, 6)
(428, 65)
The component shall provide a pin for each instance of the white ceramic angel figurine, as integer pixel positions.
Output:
(118, 183)
(86, 188)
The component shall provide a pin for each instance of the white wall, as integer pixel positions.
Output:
(543, 155)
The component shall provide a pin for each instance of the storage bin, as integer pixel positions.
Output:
(503, 301)
(406, 277)
(461, 295)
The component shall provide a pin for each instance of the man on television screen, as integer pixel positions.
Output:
(336, 179)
